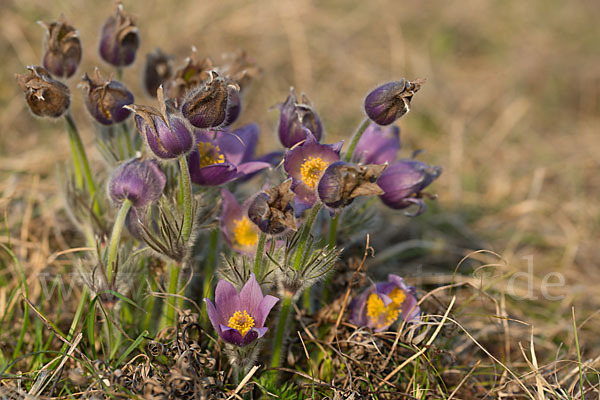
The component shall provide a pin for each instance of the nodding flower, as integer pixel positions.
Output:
(384, 303)
(239, 319)
(391, 101)
(62, 48)
(106, 99)
(305, 164)
(45, 96)
(221, 156)
(240, 233)
(119, 39)
(139, 181)
(271, 210)
(295, 118)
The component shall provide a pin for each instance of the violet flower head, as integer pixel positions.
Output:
(378, 145)
(295, 117)
(240, 318)
(106, 99)
(221, 157)
(139, 181)
(305, 164)
(240, 233)
(62, 48)
(391, 101)
(384, 303)
(119, 39)
(403, 183)
(167, 133)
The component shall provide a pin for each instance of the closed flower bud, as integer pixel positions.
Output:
(168, 134)
(119, 39)
(62, 48)
(157, 71)
(295, 117)
(342, 182)
(106, 100)
(391, 101)
(190, 76)
(272, 210)
(45, 96)
(139, 181)
(214, 104)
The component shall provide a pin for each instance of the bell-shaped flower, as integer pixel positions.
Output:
(139, 181)
(62, 48)
(378, 145)
(391, 101)
(106, 99)
(239, 319)
(221, 157)
(384, 303)
(403, 183)
(295, 118)
(305, 164)
(240, 233)
(119, 38)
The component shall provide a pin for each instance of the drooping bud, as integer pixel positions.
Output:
(295, 117)
(214, 104)
(139, 181)
(272, 210)
(119, 39)
(62, 48)
(106, 99)
(342, 182)
(157, 71)
(190, 76)
(167, 133)
(391, 101)
(45, 96)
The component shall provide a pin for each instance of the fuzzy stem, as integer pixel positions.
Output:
(187, 198)
(115, 236)
(286, 306)
(260, 249)
(169, 312)
(81, 158)
(355, 138)
(310, 220)
(128, 142)
(209, 270)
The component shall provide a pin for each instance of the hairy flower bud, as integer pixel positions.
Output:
(295, 117)
(62, 48)
(391, 101)
(157, 71)
(342, 182)
(139, 181)
(272, 210)
(106, 100)
(214, 104)
(119, 39)
(190, 76)
(45, 96)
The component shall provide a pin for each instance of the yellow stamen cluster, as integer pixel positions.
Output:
(241, 321)
(311, 170)
(244, 232)
(209, 154)
(382, 315)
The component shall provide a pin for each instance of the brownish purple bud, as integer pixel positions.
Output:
(45, 96)
(190, 76)
(214, 104)
(62, 48)
(157, 71)
(272, 210)
(342, 182)
(391, 101)
(295, 117)
(239, 68)
(105, 100)
(119, 39)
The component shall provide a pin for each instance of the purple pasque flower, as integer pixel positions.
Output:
(384, 303)
(305, 164)
(295, 117)
(106, 100)
(403, 183)
(167, 133)
(119, 38)
(240, 233)
(240, 318)
(391, 101)
(139, 181)
(378, 145)
(221, 157)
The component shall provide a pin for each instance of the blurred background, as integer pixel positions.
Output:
(510, 110)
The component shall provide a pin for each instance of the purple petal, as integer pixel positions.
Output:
(239, 145)
(264, 308)
(252, 167)
(251, 296)
(251, 336)
(231, 212)
(213, 315)
(231, 335)
(260, 331)
(211, 175)
(227, 300)
(296, 157)
(378, 145)
(305, 198)
(358, 307)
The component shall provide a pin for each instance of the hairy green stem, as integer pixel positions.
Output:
(310, 220)
(128, 142)
(355, 138)
(188, 213)
(115, 237)
(170, 305)
(286, 306)
(260, 249)
(209, 270)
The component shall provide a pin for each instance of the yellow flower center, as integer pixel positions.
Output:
(381, 314)
(244, 232)
(241, 321)
(312, 169)
(209, 154)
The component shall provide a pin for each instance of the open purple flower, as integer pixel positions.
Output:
(139, 181)
(295, 117)
(403, 183)
(384, 303)
(240, 318)
(378, 145)
(240, 233)
(221, 157)
(305, 164)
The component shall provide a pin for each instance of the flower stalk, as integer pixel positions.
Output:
(355, 138)
(173, 291)
(260, 249)
(115, 237)
(286, 306)
(187, 199)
